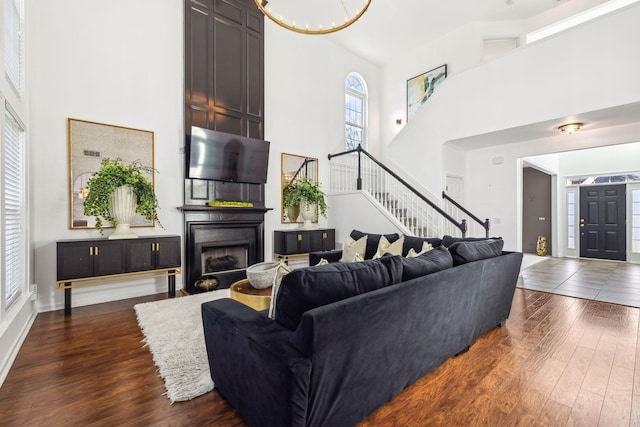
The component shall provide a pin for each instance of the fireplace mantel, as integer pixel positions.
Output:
(198, 208)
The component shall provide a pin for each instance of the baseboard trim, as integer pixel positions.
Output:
(114, 292)
(26, 310)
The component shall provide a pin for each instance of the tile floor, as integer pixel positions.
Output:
(608, 281)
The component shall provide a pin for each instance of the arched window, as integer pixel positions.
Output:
(355, 112)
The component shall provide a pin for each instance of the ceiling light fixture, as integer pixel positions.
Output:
(570, 128)
(313, 16)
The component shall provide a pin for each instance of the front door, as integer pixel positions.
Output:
(602, 222)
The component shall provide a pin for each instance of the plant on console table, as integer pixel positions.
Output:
(312, 201)
(117, 192)
(291, 201)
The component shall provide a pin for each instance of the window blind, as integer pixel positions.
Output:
(14, 210)
(13, 42)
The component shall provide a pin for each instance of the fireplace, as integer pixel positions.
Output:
(220, 244)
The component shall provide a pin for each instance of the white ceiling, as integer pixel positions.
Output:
(610, 117)
(390, 25)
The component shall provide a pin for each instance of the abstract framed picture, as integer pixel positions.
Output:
(421, 87)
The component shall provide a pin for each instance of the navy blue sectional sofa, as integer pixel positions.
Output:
(348, 337)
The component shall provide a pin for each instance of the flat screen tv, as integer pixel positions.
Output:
(221, 156)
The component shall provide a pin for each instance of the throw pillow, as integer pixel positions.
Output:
(463, 252)
(372, 241)
(426, 247)
(283, 270)
(307, 288)
(385, 247)
(352, 248)
(417, 243)
(429, 262)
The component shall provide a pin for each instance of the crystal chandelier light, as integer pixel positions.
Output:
(313, 16)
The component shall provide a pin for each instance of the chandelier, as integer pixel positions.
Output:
(313, 16)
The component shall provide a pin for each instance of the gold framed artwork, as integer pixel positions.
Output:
(90, 142)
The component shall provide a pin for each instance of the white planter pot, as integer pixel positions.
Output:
(309, 214)
(122, 207)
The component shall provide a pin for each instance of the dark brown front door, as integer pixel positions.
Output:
(602, 222)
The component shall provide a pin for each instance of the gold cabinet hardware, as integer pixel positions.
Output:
(299, 236)
(90, 250)
(324, 235)
(96, 251)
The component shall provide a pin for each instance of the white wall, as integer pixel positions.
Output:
(359, 211)
(304, 108)
(117, 62)
(602, 160)
(549, 80)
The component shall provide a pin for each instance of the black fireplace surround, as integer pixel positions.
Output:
(221, 242)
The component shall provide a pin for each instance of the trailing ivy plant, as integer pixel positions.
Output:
(308, 190)
(113, 174)
(290, 195)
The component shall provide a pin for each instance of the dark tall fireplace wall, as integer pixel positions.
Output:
(221, 243)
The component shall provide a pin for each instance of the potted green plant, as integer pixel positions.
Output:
(312, 200)
(116, 175)
(291, 201)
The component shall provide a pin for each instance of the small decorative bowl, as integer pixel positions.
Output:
(261, 275)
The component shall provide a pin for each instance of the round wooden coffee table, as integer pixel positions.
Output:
(258, 299)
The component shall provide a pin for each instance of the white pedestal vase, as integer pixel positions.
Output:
(123, 207)
(309, 214)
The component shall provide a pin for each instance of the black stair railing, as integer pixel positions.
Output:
(461, 225)
(485, 224)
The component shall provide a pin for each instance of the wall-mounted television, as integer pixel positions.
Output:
(221, 156)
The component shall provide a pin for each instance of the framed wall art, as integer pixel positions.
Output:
(88, 144)
(421, 87)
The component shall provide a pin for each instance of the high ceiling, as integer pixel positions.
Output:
(390, 25)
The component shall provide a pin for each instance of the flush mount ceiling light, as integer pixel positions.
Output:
(570, 128)
(313, 16)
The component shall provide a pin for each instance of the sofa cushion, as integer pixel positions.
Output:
(463, 252)
(307, 288)
(439, 258)
(415, 243)
(450, 240)
(372, 241)
(354, 249)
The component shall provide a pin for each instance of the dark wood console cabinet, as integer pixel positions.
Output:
(87, 262)
(288, 243)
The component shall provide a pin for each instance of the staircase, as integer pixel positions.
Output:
(414, 212)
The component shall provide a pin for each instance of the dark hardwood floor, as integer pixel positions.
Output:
(558, 361)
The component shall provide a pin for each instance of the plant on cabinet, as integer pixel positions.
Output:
(116, 192)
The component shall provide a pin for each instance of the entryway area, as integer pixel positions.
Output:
(607, 281)
(595, 203)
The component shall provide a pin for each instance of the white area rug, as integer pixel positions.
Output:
(173, 332)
